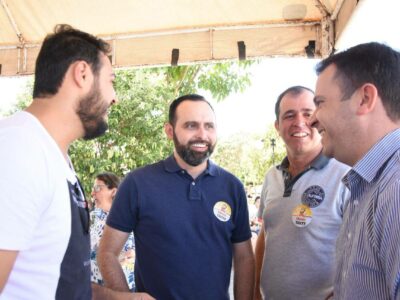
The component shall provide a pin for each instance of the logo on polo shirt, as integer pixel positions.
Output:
(313, 196)
(222, 211)
(301, 215)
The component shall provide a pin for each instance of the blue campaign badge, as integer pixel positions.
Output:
(313, 196)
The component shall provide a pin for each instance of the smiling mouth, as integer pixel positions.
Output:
(300, 134)
(199, 146)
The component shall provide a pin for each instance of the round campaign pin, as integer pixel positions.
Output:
(313, 196)
(301, 215)
(222, 211)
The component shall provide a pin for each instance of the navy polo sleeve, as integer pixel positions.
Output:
(242, 230)
(123, 213)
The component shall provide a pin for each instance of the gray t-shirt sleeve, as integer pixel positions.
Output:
(264, 192)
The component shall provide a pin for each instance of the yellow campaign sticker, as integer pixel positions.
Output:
(222, 211)
(302, 215)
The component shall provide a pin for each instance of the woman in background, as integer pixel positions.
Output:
(103, 192)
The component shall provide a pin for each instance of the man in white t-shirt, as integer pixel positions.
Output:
(44, 219)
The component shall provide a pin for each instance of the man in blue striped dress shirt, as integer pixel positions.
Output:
(358, 116)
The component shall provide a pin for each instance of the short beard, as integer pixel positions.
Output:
(91, 112)
(189, 156)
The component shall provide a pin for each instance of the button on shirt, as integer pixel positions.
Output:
(368, 247)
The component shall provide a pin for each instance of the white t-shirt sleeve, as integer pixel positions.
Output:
(23, 180)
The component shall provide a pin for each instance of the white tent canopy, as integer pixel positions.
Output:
(165, 32)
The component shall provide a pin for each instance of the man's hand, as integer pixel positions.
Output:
(102, 293)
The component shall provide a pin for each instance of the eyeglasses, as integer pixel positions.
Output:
(97, 188)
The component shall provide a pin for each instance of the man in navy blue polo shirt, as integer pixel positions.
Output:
(189, 217)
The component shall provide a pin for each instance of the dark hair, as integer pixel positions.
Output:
(373, 63)
(110, 179)
(174, 105)
(257, 198)
(59, 50)
(294, 91)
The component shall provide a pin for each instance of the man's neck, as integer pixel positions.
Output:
(53, 119)
(298, 163)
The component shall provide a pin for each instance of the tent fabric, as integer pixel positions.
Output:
(145, 33)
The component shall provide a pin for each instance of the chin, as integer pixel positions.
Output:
(99, 130)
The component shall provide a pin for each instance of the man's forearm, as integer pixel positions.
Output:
(111, 272)
(259, 255)
(244, 279)
(244, 271)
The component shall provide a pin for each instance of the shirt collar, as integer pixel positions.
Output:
(368, 166)
(318, 163)
(171, 166)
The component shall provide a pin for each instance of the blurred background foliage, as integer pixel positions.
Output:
(136, 136)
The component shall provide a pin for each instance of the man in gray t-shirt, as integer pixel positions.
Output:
(302, 203)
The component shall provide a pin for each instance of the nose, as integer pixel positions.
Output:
(92, 193)
(300, 120)
(202, 133)
(115, 99)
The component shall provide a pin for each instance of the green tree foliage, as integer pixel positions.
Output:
(271, 153)
(220, 79)
(23, 99)
(136, 136)
(250, 156)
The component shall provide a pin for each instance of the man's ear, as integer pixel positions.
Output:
(368, 99)
(276, 125)
(113, 192)
(82, 73)
(169, 130)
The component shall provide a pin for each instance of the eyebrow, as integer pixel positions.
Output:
(190, 123)
(198, 123)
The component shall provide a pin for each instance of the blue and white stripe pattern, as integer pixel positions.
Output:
(368, 246)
